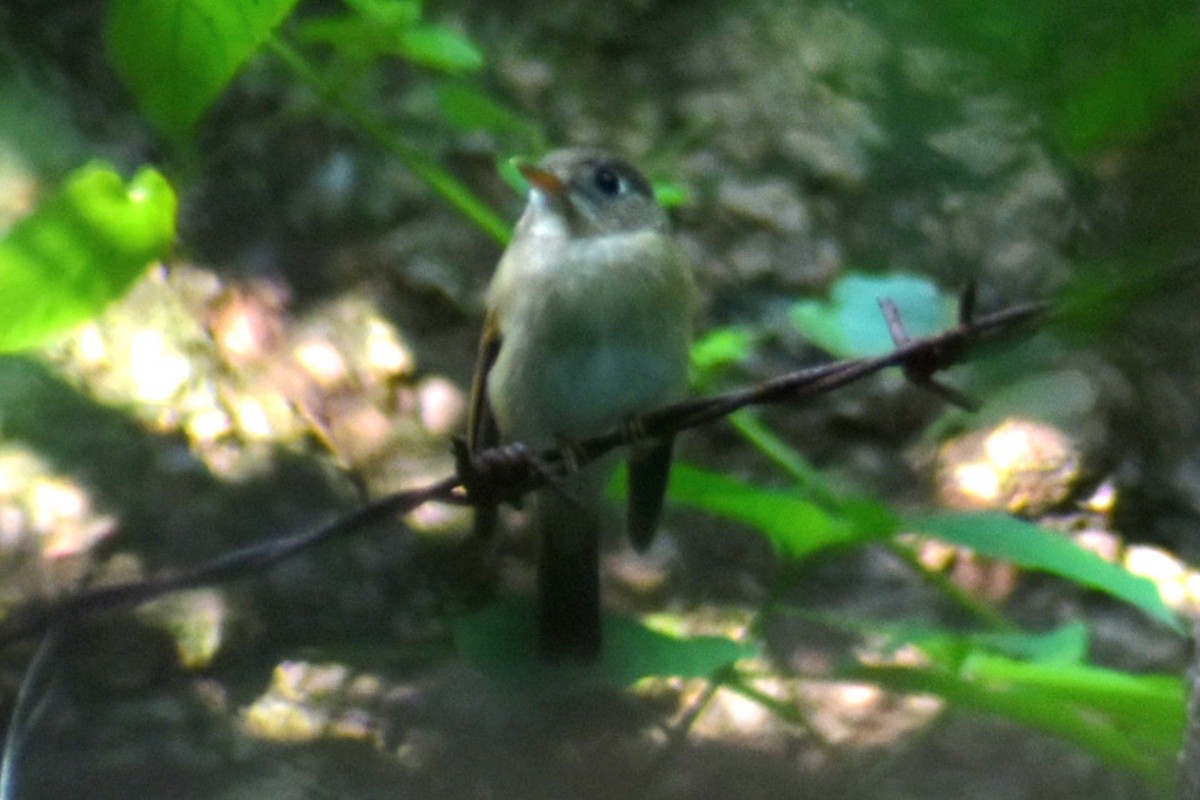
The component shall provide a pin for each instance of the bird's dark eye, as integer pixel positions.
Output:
(607, 181)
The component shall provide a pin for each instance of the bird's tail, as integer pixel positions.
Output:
(568, 576)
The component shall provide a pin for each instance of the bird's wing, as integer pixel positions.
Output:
(481, 423)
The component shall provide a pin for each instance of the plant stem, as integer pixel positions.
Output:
(981, 611)
(813, 483)
(441, 181)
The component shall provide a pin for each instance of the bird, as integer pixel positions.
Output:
(588, 323)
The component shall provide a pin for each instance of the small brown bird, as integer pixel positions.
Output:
(588, 324)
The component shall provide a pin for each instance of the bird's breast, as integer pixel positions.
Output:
(597, 334)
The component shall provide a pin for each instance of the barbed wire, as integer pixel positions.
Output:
(505, 473)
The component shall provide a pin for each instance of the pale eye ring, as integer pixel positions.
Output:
(607, 181)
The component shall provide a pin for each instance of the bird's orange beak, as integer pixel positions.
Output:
(539, 178)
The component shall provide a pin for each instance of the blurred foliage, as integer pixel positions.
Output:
(87, 246)
(1062, 396)
(715, 351)
(795, 526)
(1037, 679)
(80, 250)
(1143, 75)
(1133, 722)
(1033, 547)
(800, 527)
(177, 56)
(1103, 298)
(1102, 75)
(371, 29)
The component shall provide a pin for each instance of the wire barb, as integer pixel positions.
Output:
(921, 368)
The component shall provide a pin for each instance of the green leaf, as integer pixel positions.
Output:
(390, 28)
(1039, 680)
(176, 56)
(795, 527)
(1135, 87)
(1141, 702)
(949, 649)
(851, 323)
(1029, 546)
(469, 109)
(1065, 645)
(1134, 722)
(501, 641)
(352, 37)
(80, 250)
(717, 350)
(440, 48)
(510, 173)
(670, 194)
(394, 14)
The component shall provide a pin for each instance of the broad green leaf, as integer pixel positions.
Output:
(352, 37)
(1149, 706)
(469, 109)
(370, 28)
(395, 29)
(393, 13)
(1027, 545)
(795, 527)
(949, 649)
(501, 641)
(1134, 722)
(176, 56)
(80, 250)
(440, 48)
(1065, 645)
(1040, 680)
(851, 323)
